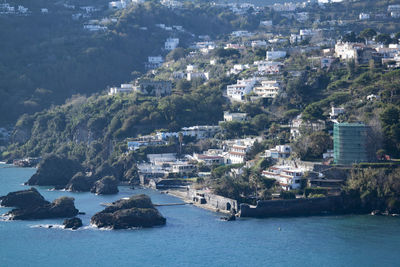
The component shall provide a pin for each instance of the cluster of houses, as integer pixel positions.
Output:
(363, 53)
(7, 9)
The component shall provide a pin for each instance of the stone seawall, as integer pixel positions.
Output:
(214, 201)
(294, 207)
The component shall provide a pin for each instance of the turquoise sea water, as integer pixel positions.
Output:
(194, 237)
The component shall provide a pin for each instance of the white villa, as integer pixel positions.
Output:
(279, 152)
(237, 91)
(268, 89)
(287, 177)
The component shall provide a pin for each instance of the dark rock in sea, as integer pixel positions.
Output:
(231, 217)
(105, 186)
(31, 205)
(73, 223)
(24, 199)
(55, 170)
(137, 211)
(80, 183)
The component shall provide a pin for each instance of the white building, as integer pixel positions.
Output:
(117, 4)
(209, 159)
(258, 43)
(240, 89)
(154, 62)
(287, 177)
(268, 67)
(364, 16)
(266, 23)
(94, 27)
(335, 112)
(234, 116)
(268, 89)
(241, 34)
(347, 51)
(125, 88)
(272, 55)
(279, 152)
(190, 76)
(171, 44)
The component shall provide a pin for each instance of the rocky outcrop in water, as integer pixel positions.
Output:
(55, 171)
(30, 204)
(105, 186)
(24, 199)
(80, 183)
(137, 211)
(72, 223)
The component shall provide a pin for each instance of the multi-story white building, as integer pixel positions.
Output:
(237, 91)
(171, 43)
(268, 89)
(347, 51)
(287, 177)
(364, 16)
(279, 152)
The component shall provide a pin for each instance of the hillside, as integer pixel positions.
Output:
(50, 56)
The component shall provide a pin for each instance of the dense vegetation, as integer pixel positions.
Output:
(50, 57)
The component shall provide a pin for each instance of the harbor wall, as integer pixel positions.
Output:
(294, 207)
(216, 201)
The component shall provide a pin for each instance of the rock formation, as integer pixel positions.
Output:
(105, 186)
(137, 211)
(30, 204)
(72, 223)
(80, 183)
(55, 171)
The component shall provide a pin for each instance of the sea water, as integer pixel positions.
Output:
(193, 237)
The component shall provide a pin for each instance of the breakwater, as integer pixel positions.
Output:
(295, 207)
